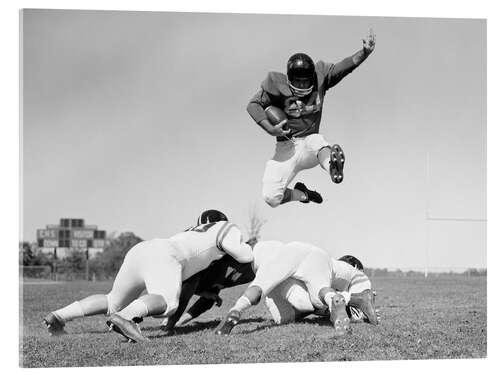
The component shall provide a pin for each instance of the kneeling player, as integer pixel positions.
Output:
(158, 266)
(275, 262)
(289, 301)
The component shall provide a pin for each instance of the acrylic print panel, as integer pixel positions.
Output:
(136, 122)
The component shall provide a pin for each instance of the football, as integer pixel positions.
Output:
(275, 115)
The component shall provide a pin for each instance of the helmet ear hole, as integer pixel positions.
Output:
(211, 216)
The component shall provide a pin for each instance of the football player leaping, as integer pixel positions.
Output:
(300, 94)
(289, 301)
(275, 262)
(157, 266)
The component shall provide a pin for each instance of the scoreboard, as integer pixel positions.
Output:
(71, 233)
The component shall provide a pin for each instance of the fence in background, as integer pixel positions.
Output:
(54, 273)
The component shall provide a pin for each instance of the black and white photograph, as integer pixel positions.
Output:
(229, 188)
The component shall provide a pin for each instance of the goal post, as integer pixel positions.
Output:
(429, 219)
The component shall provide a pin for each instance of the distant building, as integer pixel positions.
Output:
(70, 235)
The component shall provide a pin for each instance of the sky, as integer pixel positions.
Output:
(136, 121)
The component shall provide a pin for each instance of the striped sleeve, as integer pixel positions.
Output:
(223, 231)
(358, 279)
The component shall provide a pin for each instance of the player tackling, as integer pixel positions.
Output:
(159, 267)
(298, 279)
(300, 93)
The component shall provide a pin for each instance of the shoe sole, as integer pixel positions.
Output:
(337, 161)
(227, 327)
(338, 316)
(368, 308)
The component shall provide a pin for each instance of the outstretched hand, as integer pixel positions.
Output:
(369, 42)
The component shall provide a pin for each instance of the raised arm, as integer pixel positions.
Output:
(336, 72)
(368, 48)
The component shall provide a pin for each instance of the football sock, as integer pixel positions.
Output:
(293, 195)
(137, 309)
(95, 304)
(324, 158)
(242, 304)
(346, 295)
(329, 299)
(149, 304)
(70, 312)
(298, 195)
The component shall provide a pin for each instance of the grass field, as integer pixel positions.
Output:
(421, 319)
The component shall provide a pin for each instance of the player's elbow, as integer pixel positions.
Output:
(245, 256)
(256, 111)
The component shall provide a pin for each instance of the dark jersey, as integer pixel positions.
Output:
(223, 273)
(304, 114)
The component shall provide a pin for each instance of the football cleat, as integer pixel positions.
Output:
(227, 325)
(312, 196)
(337, 161)
(128, 329)
(365, 301)
(55, 325)
(338, 316)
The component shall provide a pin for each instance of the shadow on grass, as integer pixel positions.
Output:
(194, 327)
(317, 320)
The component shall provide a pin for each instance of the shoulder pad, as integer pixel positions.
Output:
(276, 84)
(322, 69)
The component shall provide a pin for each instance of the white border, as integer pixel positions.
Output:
(9, 23)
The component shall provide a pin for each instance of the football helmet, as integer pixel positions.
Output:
(353, 261)
(211, 216)
(301, 73)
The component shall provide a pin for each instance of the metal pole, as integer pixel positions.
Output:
(87, 265)
(427, 229)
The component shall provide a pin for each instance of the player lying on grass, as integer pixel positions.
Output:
(157, 266)
(207, 284)
(226, 273)
(300, 93)
(290, 301)
(275, 264)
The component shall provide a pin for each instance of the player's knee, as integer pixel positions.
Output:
(254, 294)
(273, 199)
(272, 194)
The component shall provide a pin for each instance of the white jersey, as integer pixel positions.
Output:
(197, 247)
(345, 277)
